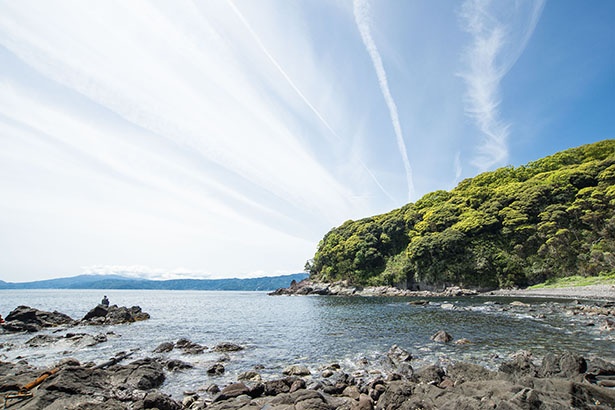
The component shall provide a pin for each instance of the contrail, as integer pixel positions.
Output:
(298, 91)
(361, 15)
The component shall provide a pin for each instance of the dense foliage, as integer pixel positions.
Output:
(551, 218)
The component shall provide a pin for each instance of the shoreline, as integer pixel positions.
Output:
(589, 292)
(605, 293)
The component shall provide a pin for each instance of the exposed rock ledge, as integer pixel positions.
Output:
(28, 319)
(343, 288)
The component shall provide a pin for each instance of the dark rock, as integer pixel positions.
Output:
(441, 337)
(190, 347)
(231, 391)
(25, 318)
(98, 311)
(160, 401)
(114, 315)
(276, 387)
(430, 375)
(142, 374)
(176, 364)
(164, 347)
(227, 347)
(216, 370)
(399, 360)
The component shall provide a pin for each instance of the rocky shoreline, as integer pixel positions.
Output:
(393, 380)
(343, 288)
(558, 381)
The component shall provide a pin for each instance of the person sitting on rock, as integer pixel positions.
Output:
(1, 320)
(105, 301)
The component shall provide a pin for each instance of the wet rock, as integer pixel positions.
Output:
(420, 302)
(227, 347)
(114, 315)
(399, 360)
(164, 347)
(296, 370)
(249, 376)
(190, 347)
(27, 319)
(216, 370)
(441, 337)
(176, 364)
(463, 341)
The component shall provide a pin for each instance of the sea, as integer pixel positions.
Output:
(315, 331)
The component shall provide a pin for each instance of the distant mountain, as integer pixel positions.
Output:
(122, 282)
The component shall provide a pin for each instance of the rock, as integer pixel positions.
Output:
(41, 340)
(249, 376)
(447, 306)
(160, 401)
(399, 360)
(520, 365)
(176, 364)
(114, 315)
(296, 370)
(441, 337)
(365, 403)
(142, 374)
(189, 347)
(519, 304)
(276, 387)
(421, 302)
(25, 318)
(231, 391)
(430, 375)
(563, 365)
(462, 341)
(227, 347)
(216, 370)
(164, 347)
(327, 373)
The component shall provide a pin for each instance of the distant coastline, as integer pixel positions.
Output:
(266, 283)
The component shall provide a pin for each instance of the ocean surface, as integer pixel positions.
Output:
(277, 331)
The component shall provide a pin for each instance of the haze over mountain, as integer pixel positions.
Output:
(123, 282)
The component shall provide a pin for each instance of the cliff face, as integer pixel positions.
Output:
(511, 227)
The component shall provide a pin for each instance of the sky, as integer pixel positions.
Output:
(224, 138)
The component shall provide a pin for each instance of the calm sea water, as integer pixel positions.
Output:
(313, 330)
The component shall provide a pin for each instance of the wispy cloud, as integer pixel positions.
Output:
(498, 39)
(362, 19)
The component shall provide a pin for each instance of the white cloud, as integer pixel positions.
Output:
(499, 33)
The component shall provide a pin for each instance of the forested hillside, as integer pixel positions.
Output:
(551, 218)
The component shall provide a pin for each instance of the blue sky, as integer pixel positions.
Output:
(225, 138)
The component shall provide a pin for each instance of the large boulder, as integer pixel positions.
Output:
(114, 315)
(27, 319)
